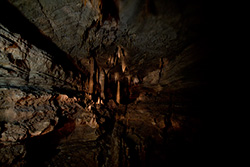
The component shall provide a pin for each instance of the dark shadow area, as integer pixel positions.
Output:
(150, 7)
(110, 10)
(42, 148)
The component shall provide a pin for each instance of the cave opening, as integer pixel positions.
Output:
(103, 83)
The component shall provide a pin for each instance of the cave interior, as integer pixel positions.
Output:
(104, 83)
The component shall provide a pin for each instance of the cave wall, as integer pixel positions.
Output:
(25, 66)
(31, 103)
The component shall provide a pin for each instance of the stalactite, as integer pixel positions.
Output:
(84, 2)
(119, 52)
(123, 64)
(99, 100)
(111, 60)
(135, 80)
(114, 60)
(121, 55)
(102, 83)
(129, 80)
(91, 77)
(108, 77)
(87, 84)
(116, 76)
(108, 61)
(97, 75)
(118, 93)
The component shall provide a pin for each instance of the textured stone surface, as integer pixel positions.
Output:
(24, 65)
(147, 30)
(102, 82)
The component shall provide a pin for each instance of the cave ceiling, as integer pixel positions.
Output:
(146, 30)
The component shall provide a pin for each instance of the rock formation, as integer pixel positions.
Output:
(102, 82)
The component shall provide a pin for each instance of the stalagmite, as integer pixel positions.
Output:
(118, 95)
(91, 77)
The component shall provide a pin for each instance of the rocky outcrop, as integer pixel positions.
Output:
(25, 66)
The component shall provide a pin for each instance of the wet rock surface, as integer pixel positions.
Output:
(103, 83)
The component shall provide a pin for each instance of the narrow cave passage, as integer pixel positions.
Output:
(103, 83)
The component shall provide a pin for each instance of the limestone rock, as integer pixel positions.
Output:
(13, 133)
